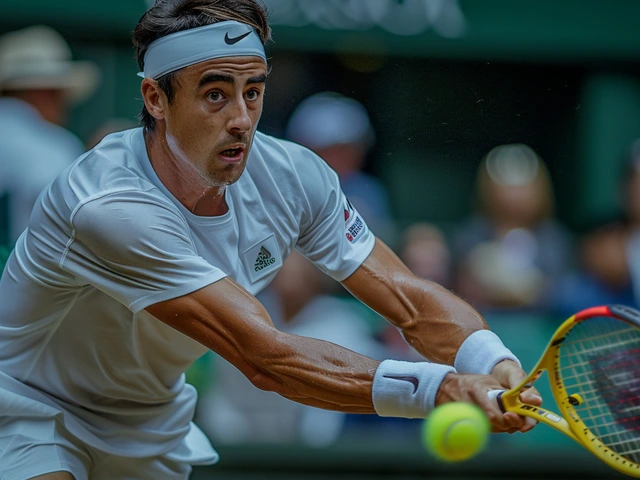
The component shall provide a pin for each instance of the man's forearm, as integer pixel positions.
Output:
(432, 320)
(436, 323)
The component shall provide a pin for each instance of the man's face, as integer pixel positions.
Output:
(212, 119)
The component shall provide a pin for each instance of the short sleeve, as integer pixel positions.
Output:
(334, 236)
(137, 249)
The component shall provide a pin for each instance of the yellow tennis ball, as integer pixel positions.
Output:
(455, 431)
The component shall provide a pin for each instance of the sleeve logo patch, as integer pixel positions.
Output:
(348, 210)
(352, 222)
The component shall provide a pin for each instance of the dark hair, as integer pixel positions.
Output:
(171, 16)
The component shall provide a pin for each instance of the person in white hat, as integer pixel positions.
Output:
(339, 129)
(38, 82)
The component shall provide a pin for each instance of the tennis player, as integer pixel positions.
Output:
(149, 249)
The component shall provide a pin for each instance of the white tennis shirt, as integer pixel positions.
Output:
(105, 240)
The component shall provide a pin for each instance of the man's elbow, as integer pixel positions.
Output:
(265, 382)
(263, 360)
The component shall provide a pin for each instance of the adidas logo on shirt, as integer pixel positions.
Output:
(263, 260)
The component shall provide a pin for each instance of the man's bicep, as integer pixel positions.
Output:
(223, 317)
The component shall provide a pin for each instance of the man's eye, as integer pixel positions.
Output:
(253, 94)
(214, 96)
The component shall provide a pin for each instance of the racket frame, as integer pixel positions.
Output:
(568, 422)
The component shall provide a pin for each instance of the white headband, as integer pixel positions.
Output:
(188, 47)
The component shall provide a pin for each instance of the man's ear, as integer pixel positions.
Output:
(154, 98)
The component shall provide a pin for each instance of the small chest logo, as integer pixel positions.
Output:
(264, 259)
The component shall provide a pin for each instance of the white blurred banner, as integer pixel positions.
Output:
(400, 17)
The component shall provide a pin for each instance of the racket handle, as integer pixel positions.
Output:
(497, 396)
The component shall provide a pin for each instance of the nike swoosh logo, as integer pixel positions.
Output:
(406, 378)
(232, 41)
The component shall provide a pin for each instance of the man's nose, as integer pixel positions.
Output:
(239, 120)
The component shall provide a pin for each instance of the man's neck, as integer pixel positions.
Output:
(183, 182)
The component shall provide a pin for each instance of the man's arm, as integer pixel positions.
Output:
(436, 323)
(432, 320)
(230, 321)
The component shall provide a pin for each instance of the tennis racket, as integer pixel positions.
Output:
(593, 364)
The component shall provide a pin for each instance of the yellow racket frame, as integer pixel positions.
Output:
(568, 422)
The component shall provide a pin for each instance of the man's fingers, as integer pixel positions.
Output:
(529, 423)
(503, 422)
(509, 422)
(514, 422)
(509, 374)
(531, 396)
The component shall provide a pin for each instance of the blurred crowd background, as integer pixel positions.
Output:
(493, 145)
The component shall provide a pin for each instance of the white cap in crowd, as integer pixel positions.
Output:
(514, 164)
(37, 58)
(327, 119)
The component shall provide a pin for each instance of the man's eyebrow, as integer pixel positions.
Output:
(219, 77)
(215, 77)
(259, 79)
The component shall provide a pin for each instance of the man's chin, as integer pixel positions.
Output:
(227, 176)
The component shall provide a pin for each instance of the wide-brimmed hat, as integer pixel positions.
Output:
(37, 58)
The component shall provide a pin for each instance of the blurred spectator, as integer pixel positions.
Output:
(602, 276)
(609, 267)
(425, 251)
(299, 302)
(339, 130)
(38, 82)
(631, 210)
(512, 252)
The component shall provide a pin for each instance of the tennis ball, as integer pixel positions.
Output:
(455, 431)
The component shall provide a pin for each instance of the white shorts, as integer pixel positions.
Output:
(32, 446)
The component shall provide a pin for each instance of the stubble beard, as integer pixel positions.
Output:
(230, 173)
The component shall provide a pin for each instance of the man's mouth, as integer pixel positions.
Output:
(232, 155)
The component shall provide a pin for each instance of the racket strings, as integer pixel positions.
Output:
(600, 361)
(622, 382)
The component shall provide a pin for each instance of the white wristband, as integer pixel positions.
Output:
(407, 389)
(480, 352)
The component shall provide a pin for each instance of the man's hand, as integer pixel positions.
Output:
(475, 388)
(510, 375)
